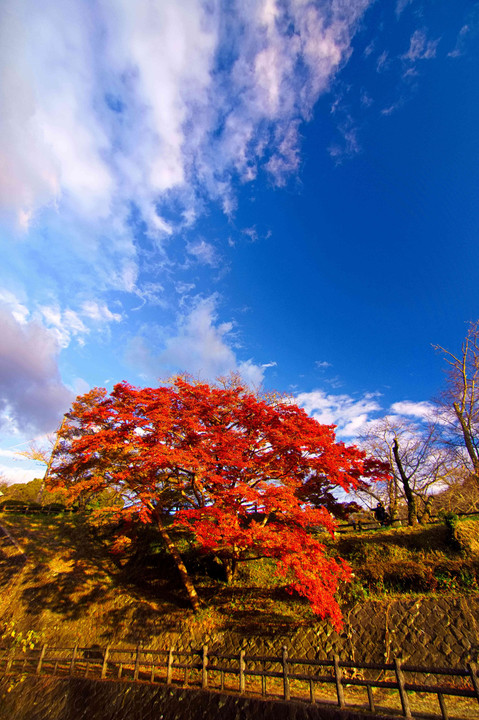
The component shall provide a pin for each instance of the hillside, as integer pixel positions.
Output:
(71, 586)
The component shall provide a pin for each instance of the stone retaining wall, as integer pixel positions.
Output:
(427, 631)
(52, 698)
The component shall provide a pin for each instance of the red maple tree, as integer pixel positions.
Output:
(230, 466)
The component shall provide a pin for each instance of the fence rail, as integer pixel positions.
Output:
(272, 676)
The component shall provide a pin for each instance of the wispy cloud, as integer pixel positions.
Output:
(204, 252)
(420, 48)
(401, 5)
(468, 32)
(382, 62)
(322, 364)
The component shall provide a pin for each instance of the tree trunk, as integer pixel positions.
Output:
(230, 566)
(393, 500)
(411, 500)
(425, 514)
(468, 441)
(173, 550)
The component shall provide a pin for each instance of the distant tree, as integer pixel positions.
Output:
(28, 492)
(221, 462)
(418, 463)
(459, 403)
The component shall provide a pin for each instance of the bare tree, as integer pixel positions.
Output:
(44, 455)
(418, 465)
(460, 400)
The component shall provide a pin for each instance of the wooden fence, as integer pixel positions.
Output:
(32, 508)
(373, 524)
(284, 677)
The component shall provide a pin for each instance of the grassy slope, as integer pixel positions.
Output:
(73, 588)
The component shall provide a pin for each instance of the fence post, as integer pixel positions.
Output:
(442, 705)
(204, 667)
(370, 698)
(241, 671)
(40, 659)
(137, 663)
(105, 662)
(402, 692)
(74, 657)
(169, 666)
(472, 667)
(284, 662)
(338, 676)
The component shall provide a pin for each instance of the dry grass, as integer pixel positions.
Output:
(73, 588)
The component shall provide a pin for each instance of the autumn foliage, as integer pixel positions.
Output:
(234, 468)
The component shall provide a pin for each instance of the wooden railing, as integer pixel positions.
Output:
(269, 676)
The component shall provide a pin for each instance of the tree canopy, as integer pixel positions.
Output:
(228, 465)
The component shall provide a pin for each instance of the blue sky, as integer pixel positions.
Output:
(287, 189)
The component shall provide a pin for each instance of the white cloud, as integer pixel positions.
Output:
(66, 324)
(52, 144)
(32, 395)
(348, 413)
(18, 309)
(113, 102)
(11, 454)
(63, 324)
(423, 410)
(13, 475)
(99, 312)
(200, 345)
